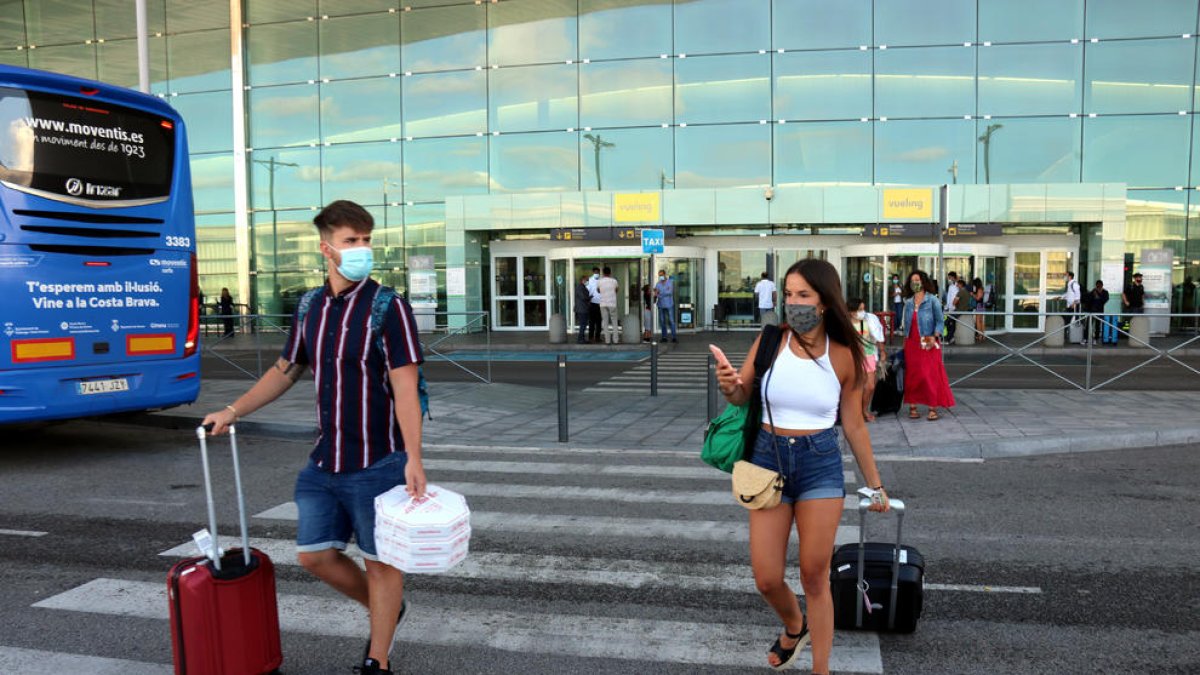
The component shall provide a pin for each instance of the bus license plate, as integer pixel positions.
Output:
(103, 386)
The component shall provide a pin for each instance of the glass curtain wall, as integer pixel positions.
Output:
(399, 107)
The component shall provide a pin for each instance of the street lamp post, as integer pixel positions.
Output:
(387, 236)
(598, 143)
(986, 139)
(272, 164)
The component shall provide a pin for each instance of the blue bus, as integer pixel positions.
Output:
(99, 300)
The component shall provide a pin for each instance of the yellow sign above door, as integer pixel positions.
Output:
(636, 207)
(908, 203)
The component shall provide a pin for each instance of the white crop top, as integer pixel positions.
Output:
(804, 393)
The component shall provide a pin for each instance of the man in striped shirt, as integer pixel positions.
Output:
(369, 418)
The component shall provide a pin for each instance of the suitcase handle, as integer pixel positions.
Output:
(214, 555)
(863, 506)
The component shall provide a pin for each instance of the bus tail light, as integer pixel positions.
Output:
(193, 331)
(149, 343)
(43, 349)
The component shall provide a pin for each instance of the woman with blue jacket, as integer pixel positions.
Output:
(925, 381)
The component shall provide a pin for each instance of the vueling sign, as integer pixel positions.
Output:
(636, 207)
(908, 203)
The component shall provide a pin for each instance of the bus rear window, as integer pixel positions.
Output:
(83, 151)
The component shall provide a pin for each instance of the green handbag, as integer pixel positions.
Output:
(725, 438)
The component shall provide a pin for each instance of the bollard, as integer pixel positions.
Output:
(653, 367)
(562, 398)
(712, 386)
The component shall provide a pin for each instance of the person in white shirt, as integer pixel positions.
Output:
(594, 307)
(607, 288)
(1072, 296)
(870, 331)
(764, 294)
(951, 296)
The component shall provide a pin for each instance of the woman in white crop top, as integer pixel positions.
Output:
(816, 374)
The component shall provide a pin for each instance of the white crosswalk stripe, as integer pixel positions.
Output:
(629, 515)
(677, 373)
(18, 660)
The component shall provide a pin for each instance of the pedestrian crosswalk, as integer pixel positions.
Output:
(678, 372)
(639, 532)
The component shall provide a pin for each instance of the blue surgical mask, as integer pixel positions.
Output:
(356, 263)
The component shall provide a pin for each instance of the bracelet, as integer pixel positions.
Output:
(878, 488)
(233, 410)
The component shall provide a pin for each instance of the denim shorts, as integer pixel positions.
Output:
(812, 465)
(333, 506)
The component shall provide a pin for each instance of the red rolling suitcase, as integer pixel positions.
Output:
(224, 616)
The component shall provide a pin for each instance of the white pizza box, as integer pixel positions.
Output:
(425, 564)
(430, 534)
(424, 556)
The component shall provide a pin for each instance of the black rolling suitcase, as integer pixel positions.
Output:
(891, 576)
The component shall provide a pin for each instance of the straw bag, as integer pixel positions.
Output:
(755, 487)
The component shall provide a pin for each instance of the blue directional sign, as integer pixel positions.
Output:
(653, 241)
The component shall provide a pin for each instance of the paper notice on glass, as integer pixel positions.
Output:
(456, 281)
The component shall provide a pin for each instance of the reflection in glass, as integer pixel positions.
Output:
(285, 179)
(57, 22)
(625, 93)
(830, 153)
(627, 159)
(443, 38)
(820, 24)
(78, 60)
(535, 276)
(736, 155)
(545, 162)
(263, 11)
(1036, 150)
(208, 119)
(507, 313)
(535, 313)
(212, 182)
(286, 256)
(1009, 20)
(281, 116)
(359, 46)
(722, 26)
(615, 29)
(1118, 18)
(117, 63)
(117, 19)
(12, 57)
(280, 53)
(925, 82)
(1157, 219)
(737, 272)
(1030, 79)
(344, 118)
(723, 88)
(1139, 76)
(532, 31)
(199, 61)
(356, 171)
(506, 275)
(445, 104)
(437, 167)
(913, 22)
(534, 98)
(917, 152)
(189, 15)
(1142, 150)
(822, 85)
(1027, 273)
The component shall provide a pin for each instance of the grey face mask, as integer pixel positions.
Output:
(802, 318)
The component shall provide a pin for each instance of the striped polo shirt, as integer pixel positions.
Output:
(357, 421)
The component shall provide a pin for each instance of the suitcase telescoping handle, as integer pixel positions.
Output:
(215, 555)
(863, 505)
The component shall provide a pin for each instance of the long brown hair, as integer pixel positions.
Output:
(823, 278)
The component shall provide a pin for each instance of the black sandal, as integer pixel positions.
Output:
(788, 656)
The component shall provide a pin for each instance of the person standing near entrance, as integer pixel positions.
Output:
(764, 294)
(951, 297)
(606, 288)
(897, 302)
(870, 331)
(925, 381)
(225, 308)
(1095, 302)
(594, 306)
(664, 294)
(1134, 296)
(583, 304)
(369, 419)
(979, 304)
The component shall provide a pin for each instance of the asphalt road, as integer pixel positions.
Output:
(579, 566)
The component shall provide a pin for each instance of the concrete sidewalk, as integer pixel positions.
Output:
(984, 423)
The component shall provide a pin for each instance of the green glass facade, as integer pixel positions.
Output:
(401, 106)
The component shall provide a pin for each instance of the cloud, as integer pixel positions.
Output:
(929, 154)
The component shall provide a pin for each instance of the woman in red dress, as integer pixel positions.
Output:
(925, 381)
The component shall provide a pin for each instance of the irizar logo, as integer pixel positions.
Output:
(76, 187)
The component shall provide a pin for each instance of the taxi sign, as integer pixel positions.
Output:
(653, 241)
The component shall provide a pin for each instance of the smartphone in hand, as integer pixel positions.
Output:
(722, 360)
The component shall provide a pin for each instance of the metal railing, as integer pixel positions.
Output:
(245, 347)
(1105, 328)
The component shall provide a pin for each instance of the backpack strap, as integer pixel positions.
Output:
(379, 308)
(306, 302)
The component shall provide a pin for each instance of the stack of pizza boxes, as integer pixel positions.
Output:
(428, 535)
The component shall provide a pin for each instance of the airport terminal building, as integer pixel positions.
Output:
(506, 147)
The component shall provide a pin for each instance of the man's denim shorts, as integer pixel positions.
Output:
(333, 506)
(812, 465)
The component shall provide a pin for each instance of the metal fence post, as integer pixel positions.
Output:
(653, 367)
(1087, 373)
(712, 386)
(562, 398)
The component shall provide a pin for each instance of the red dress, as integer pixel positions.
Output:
(925, 381)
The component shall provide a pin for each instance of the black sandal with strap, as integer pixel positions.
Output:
(788, 656)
